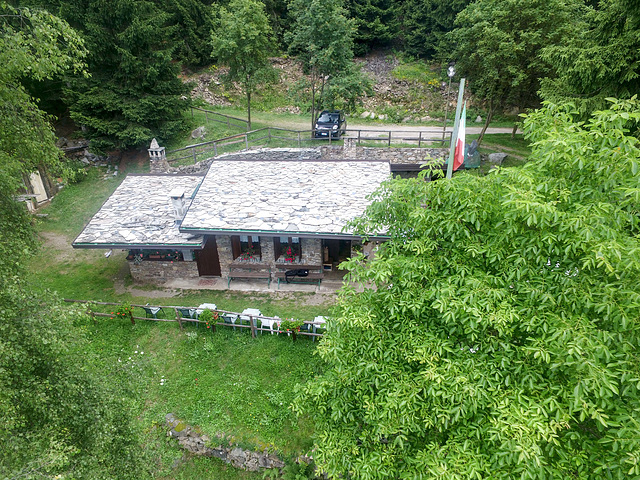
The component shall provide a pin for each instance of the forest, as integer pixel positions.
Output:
(514, 54)
(495, 335)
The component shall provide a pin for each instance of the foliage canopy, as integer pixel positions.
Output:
(499, 334)
(498, 45)
(134, 93)
(243, 41)
(56, 418)
(601, 59)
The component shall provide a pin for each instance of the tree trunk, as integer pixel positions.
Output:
(313, 102)
(486, 124)
(513, 132)
(248, 109)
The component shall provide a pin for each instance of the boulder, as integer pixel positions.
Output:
(497, 158)
(478, 119)
(364, 115)
(199, 132)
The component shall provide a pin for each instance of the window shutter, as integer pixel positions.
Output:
(235, 246)
(276, 247)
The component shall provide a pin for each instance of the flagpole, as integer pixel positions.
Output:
(454, 134)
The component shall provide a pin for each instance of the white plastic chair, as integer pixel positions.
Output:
(247, 313)
(269, 323)
(318, 322)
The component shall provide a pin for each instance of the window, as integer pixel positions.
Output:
(246, 247)
(156, 254)
(288, 249)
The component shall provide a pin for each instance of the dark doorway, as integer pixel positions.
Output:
(336, 251)
(207, 258)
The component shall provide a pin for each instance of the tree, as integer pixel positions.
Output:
(498, 45)
(496, 332)
(322, 39)
(57, 419)
(243, 41)
(134, 93)
(375, 21)
(33, 45)
(601, 59)
(425, 23)
(192, 21)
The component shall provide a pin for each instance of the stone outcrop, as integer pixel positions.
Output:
(190, 439)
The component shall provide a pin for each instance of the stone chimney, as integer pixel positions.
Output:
(157, 158)
(178, 203)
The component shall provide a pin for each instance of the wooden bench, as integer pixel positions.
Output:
(248, 271)
(315, 273)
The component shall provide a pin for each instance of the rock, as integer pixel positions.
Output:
(364, 115)
(199, 132)
(236, 457)
(382, 117)
(61, 142)
(406, 119)
(478, 119)
(497, 158)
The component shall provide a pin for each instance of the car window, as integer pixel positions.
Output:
(326, 117)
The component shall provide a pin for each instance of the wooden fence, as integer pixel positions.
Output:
(282, 137)
(222, 118)
(177, 317)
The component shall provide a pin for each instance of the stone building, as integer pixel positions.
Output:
(263, 213)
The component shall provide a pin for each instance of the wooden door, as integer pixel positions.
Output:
(207, 259)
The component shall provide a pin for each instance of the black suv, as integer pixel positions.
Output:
(330, 122)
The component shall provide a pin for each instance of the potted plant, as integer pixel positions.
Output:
(124, 311)
(209, 318)
(291, 326)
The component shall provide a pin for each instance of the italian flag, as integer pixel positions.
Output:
(458, 157)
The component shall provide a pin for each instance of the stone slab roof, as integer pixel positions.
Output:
(139, 214)
(295, 197)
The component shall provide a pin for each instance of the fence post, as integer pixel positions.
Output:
(178, 318)
(206, 117)
(246, 141)
(299, 140)
(358, 137)
(269, 133)
(419, 139)
(215, 149)
(195, 158)
(389, 138)
(253, 326)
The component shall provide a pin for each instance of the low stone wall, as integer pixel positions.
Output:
(348, 152)
(160, 272)
(389, 154)
(195, 442)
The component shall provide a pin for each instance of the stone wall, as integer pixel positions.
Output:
(159, 272)
(348, 152)
(197, 443)
(389, 154)
(311, 251)
(224, 253)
